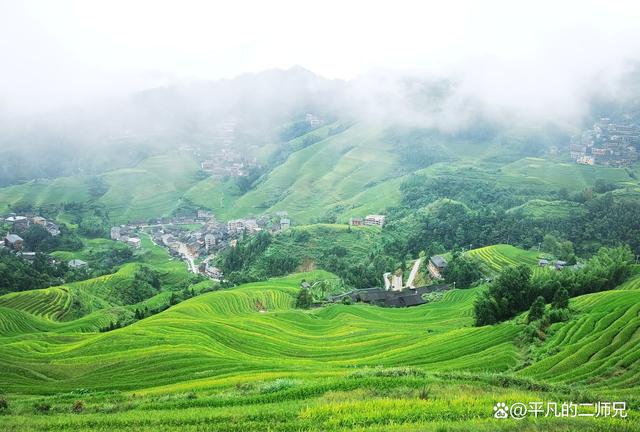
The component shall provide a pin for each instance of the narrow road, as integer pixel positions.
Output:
(414, 273)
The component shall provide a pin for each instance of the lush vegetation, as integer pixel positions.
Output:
(515, 290)
(349, 252)
(247, 358)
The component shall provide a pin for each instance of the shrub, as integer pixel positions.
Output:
(557, 315)
(537, 309)
(561, 299)
(4, 404)
(425, 393)
(42, 408)
(304, 299)
(78, 406)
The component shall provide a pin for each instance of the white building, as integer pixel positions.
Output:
(115, 233)
(209, 241)
(374, 220)
(134, 242)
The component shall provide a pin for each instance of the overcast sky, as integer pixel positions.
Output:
(55, 53)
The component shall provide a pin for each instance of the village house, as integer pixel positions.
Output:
(313, 120)
(209, 241)
(29, 256)
(77, 263)
(134, 242)
(374, 220)
(116, 233)
(356, 221)
(53, 229)
(380, 297)
(559, 265)
(213, 272)
(19, 222)
(437, 265)
(13, 242)
(285, 223)
(38, 220)
(204, 214)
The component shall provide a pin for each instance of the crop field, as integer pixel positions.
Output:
(541, 209)
(496, 257)
(565, 174)
(150, 190)
(245, 358)
(41, 192)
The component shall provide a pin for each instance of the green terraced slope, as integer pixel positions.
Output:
(152, 189)
(599, 348)
(496, 257)
(243, 358)
(568, 174)
(42, 192)
(541, 209)
(353, 172)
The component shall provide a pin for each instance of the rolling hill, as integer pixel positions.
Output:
(245, 357)
(333, 172)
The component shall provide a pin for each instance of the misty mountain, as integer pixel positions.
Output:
(122, 132)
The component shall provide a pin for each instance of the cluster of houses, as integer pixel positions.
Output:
(209, 238)
(22, 222)
(390, 298)
(252, 226)
(220, 157)
(14, 243)
(18, 223)
(126, 234)
(369, 220)
(313, 120)
(607, 143)
(557, 264)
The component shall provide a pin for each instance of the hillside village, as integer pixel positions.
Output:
(607, 143)
(198, 239)
(18, 223)
(220, 157)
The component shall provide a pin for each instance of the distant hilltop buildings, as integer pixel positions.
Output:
(23, 222)
(607, 143)
(369, 220)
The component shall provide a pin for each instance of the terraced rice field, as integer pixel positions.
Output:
(496, 257)
(50, 303)
(600, 348)
(246, 359)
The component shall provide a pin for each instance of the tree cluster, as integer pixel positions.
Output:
(515, 290)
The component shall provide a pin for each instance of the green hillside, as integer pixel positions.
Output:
(332, 172)
(569, 174)
(152, 189)
(246, 358)
(538, 209)
(497, 257)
